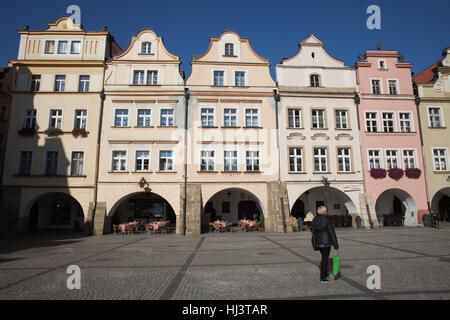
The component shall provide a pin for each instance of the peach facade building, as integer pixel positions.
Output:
(390, 136)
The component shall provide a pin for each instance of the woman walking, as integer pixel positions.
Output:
(325, 236)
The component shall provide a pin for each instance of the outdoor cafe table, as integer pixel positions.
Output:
(124, 225)
(155, 225)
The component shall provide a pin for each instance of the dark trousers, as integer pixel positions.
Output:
(325, 252)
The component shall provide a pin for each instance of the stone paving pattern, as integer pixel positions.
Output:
(414, 262)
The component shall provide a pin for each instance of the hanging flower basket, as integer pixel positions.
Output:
(79, 132)
(27, 132)
(396, 173)
(53, 132)
(413, 173)
(378, 173)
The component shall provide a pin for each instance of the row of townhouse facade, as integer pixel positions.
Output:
(99, 135)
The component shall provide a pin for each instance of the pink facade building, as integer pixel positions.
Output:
(390, 138)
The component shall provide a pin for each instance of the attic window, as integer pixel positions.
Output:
(315, 80)
(312, 55)
(146, 48)
(229, 49)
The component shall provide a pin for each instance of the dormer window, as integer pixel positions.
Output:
(382, 65)
(315, 80)
(229, 49)
(146, 48)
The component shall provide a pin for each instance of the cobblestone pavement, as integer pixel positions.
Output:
(414, 262)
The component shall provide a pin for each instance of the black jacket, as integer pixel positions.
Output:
(323, 229)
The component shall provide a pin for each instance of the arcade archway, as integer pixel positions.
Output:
(440, 204)
(397, 205)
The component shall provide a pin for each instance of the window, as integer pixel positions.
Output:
(392, 159)
(152, 78)
(75, 47)
(314, 80)
(239, 78)
(167, 118)
(344, 160)
(119, 161)
(3, 113)
(83, 86)
(318, 119)
(251, 117)
(320, 160)
(144, 118)
(138, 78)
(165, 161)
(374, 159)
(405, 121)
(80, 119)
(121, 119)
(62, 47)
(409, 159)
(77, 163)
(219, 78)
(51, 163)
(440, 159)
(392, 86)
(382, 65)
(146, 48)
(35, 83)
(55, 118)
(388, 122)
(207, 161)
(230, 161)
(229, 49)
(49, 47)
(435, 117)
(30, 118)
(341, 119)
(295, 160)
(252, 160)
(25, 162)
(142, 160)
(376, 89)
(230, 117)
(60, 83)
(371, 122)
(294, 118)
(207, 117)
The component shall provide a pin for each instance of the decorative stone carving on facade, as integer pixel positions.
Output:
(438, 84)
(320, 135)
(296, 135)
(344, 136)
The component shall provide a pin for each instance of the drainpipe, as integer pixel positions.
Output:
(277, 99)
(187, 95)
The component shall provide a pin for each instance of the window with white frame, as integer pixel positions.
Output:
(121, 118)
(167, 118)
(230, 161)
(239, 78)
(405, 121)
(388, 122)
(371, 122)
(25, 163)
(219, 78)
(440, 159)
(314, 80)
(229, 49)
(251, 117)
(146, 48)
(62, 47)
(51, 163)
(318, 118)
(294, 118)
(252, 160)
(83, 85)
(142, 161)
(230, 117)
(376, 87)
(119, 161)
(29, 120)
(391, 159)
(75, 47)
(374, 159)
(144, 117)
(55, 118)
(409, 159)
(152, 77)
(60, 83)
(295, 160)
(382, 64)
(341, 119)
(35, 82)
(207, 117)
(49, 47)
(138, 77)
(344, 160)
(165, 160)
(207, 161)
(392, 86)
(320, 160)
(435, 117)
(77, 163)
(80, 119)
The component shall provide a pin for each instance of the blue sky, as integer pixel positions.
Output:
(414, 28)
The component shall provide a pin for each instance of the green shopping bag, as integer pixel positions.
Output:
(336, 263)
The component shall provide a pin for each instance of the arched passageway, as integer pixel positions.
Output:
(397, 206)
(440, 204)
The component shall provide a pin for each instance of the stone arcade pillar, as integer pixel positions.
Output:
(193, 209)
(274, 219)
